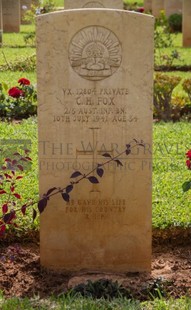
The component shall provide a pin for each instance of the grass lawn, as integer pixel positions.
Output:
(11, 78)
(170, 206)
(79, 303)
(184, 53)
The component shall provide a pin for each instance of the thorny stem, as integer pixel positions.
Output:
(91, 172)
(61, 190)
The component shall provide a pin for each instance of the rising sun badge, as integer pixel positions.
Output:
(93, 4)
(95, 53)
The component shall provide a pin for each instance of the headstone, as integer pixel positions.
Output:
(1, 23)
(186, 25)
(157, 7)
(11, 15)
(94, 97)
(147, 5)
(172, 7)
(73, 4)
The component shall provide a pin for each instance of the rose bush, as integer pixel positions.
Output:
(12, 171)
(18, 101)
(187, 185)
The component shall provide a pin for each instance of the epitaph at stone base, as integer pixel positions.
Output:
(95, 96)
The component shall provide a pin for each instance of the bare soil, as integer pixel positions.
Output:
(21, 274)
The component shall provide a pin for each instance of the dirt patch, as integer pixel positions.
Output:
(21, 274)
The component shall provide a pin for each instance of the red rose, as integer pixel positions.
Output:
(15, 92)
(140, 10)
(24, 81)
(188, 154)
(188, 164)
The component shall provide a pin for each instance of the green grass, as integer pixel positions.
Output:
(131, 2)
(14, 47)
(17, 39)
(59, 3)
(79, 303)
(171, 207)
(11, 78)
(184, 53)
(184, 60)
(8, 55)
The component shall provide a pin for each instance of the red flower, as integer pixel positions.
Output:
(188, 154)
(140, 10)
(188, 164)
(24, 81)
(15, 92)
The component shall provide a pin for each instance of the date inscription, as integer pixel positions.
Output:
(93, 105)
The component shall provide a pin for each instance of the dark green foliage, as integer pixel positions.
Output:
(163, 88)
(102, 288)
(186, 186)
(175, 22)
(156, 288)
(186, 85)
(163, 40)
(30, 38)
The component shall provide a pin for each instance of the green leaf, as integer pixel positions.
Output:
(5, 86)
(186, 186)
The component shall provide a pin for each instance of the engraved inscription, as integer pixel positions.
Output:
(97, 209)
(93, 4)
(95, 105)
(95, 53)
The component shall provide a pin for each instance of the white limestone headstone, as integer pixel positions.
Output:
(172, 7)
(11, 15)
(157, 7)
(147, 5)
(95, 76)
(186, 25)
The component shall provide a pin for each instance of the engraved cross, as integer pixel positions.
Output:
(93, 152)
